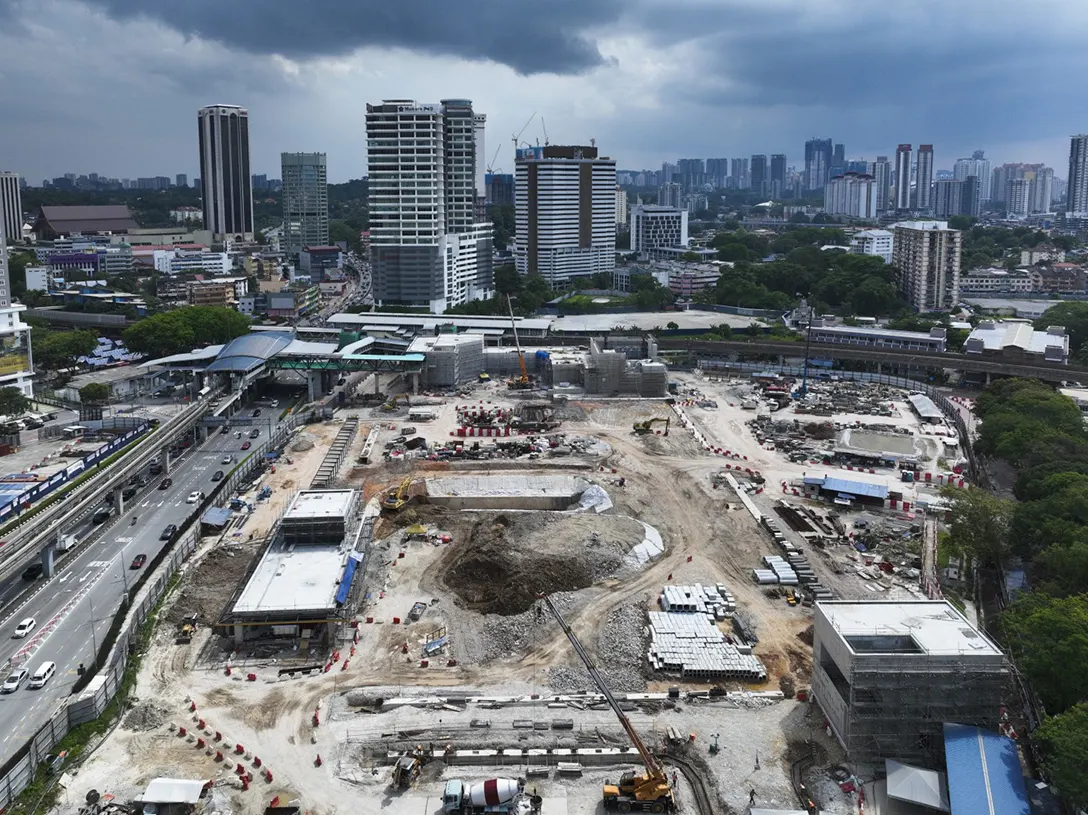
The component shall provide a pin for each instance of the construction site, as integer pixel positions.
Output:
(508, 600)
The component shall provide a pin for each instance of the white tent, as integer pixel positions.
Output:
(173, 791)
(917, 786)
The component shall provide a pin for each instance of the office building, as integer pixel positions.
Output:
(226, 184)
(321, 262)
(928, 256)
(777, 187)
(428, 245)
(978, 165)
(952, 197)
(738, 173)
(818, 158)
(902, 177)
(11, 207)
(887, 675)
(621, 206)
(875, 242)
(670, 195)
(658, 227)
(881, 172)
(851, 195)
(565, 212)
(923, 179)
(1077, 182)
(758, 175)
(305, 201)
(499, 189)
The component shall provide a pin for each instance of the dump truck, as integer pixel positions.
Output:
(495, 796)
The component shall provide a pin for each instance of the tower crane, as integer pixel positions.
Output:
(635, 793)
(517, 137)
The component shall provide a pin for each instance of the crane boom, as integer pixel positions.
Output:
(653, 767)
(517, 342)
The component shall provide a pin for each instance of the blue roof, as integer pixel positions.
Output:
(843, 485)
(250, 351)
(984, 775)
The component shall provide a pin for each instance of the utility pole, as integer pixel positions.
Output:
(808, 345)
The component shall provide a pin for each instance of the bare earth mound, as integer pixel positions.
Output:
(508, 559)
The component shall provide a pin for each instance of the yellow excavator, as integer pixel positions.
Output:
(647, 425)
(391, 405)
(395, 499)
(523, 382)
(649, 792)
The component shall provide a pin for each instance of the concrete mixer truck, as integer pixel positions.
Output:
(496, 796)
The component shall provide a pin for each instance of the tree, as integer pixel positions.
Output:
(1065, 742)
(54, 350)
(507, 280)
(502, 222)
(96, 393)
(1072, 315)
(1048, 637)
(13, 402)
(184, 328)
(672, 326)
(979, 522)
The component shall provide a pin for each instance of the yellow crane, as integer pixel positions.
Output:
(649, 792)
(647, 425)
(395, 499)
(521, 383)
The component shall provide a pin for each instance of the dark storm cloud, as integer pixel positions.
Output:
(543, 36)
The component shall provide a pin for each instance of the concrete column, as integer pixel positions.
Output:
(118, 501)
(415, 384)
(47, 560)
(239, 636)
(313, 383)
(377, 383)
(200, 432)
(330, 633)
(164, 457)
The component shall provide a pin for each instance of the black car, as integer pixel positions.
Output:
(166, 484)
(128, 492)
(101, 515)
(217, 475)
(256, 412)
(33, 571)
(255, 432)
(168, 532)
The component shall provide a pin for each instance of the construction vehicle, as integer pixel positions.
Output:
(522, 382)
(417, 611)
(650, 792)
(391, 405)
(647, 425)
(186, 629)
(495, 796)
(407, 769)
(396, 499)
(483, 376)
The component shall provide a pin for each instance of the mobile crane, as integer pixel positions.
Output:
(521, 383)
(634, 793)
(647, 425)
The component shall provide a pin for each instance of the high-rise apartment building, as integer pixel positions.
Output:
(923, 178)
(1018, 195)
(952, 197)
(851, 195)
(305, 201)
(777, 187)
(226, 183)
(717, 171)
(670, 195)
(16, 370)
(621, 206)
(11, 207)
(692, 173)
(1043, 192)
(738, 172)
(758, 174)
(1033, 195)
(499, 189)
(882, 178)
(1077, 184)
(902, 177)
(565, 212)
(838, 160)
(978, 165)
(429, 245)
(657, 227)
(669, 173)
(181, 180)
(927, 255)
(818, 158)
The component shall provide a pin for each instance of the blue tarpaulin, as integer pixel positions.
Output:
(350, 568)
(984, 775)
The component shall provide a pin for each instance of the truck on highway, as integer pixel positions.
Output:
(495, 796)
(67, 542)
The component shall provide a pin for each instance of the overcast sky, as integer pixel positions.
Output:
(113, 86)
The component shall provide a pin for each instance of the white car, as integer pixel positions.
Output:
(24, 628)
(195, 497)
(14, 680)
(42, 675)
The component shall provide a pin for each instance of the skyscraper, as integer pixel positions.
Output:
(838, 160)
(758, 174)
(428, 245)
(902, 176)
(818, 156)
(882, 177)
(181, 180)
(978, 165)
(948, 198)
(923, 178)
(777, 187)
(738, 171)
(927, 255)
(305, 201)
(226, 186)
(1077, 185)
(11, 207)
(565, 212)
(717, 171)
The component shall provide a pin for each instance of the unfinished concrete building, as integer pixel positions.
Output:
(888, 675)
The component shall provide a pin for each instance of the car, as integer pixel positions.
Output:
(255, 432)
(128, 492)
(138, 561)
(33, 571)
(275, 403)
(15, 679)
(194, 497)
(228, 459)
(42, 675)
(101, 515)
(168, 532)
(226, 429)
(217, 475)
(166, 483)
(156, 469)
(24, 628)
(256, 412)
(246, 445)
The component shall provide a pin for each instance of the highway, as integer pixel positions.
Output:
(90, 582)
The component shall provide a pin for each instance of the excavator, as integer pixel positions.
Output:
(391, 405)
(650, 792)
(522, 382)
(395, 500)
(647, 425)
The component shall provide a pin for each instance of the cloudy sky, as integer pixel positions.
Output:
(113, 85)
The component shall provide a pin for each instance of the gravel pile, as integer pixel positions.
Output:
(575, 680)
(146, 716)
(508, 635)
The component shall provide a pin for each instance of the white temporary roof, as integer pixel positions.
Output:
(936, 627)
(173, 791)
(320, 505)
(917, 786)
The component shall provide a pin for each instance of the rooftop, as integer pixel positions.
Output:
(431, 322)
(876, 332)
(847, 486)
(934, 628)
(995, 335)
(293, 579)
(646, 320)
(984, 774)
(320, 504)
(93, 218)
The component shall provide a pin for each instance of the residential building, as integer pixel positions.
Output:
(212, 293)
(1060, 278)
(1018, 342)
(319, 261)
(838, 161)
(670, 195)
(852, 195)
(923, 178)
(181, 180)
(11, 207)
(933, 341)
(429, 243)
(952, 197)
(655, 227)
(927, 255)
(717, 171)
(777, 187)
(818, 158)
(887, 675)
(997, 281)
(305, 201)
(226, 182)
(902, 177)
(1018, 196)
(1042, 194)
(180, 261)
(882, 177)
(621, 206)
(876, 242)
(1077, 183)
(758, 174)
(499, 189)
(979, 166)
(565, 202)
(1041, 254)
(738, 172)
(692, 173)
(183, 215)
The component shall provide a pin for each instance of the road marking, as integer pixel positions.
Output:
(145, 503)
(86, 575)
(64, 579)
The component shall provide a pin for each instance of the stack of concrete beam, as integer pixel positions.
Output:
(712, 602)
(692, 646)
(777, 566)
(802, 567)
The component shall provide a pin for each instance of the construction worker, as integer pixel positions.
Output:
(752, 798)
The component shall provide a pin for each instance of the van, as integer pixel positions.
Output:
(43, 674)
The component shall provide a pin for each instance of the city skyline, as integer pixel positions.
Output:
(619, 73)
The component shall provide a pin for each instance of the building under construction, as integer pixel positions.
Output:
(888, 675)
(302, 584)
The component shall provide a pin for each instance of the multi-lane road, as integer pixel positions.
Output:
(89, 584)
